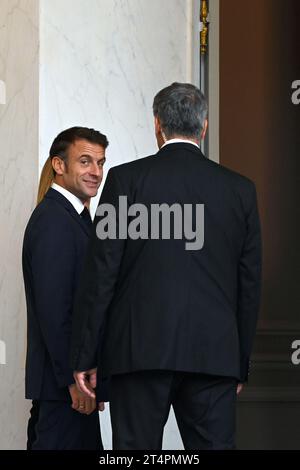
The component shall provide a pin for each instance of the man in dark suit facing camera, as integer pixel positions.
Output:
(174, 314)
(54, 246)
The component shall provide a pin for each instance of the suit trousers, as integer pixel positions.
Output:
(204, 407)
(32, 422)
(59, 427)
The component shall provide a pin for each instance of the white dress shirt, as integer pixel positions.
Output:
(177, 141)
(74, 200)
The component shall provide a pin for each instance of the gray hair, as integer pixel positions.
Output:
(181, 109)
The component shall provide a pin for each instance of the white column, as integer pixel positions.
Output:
(102, 62)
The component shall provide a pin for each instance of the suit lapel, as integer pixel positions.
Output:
(60, 199)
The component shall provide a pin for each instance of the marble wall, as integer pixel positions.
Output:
(18, 181)
(101, 66)
(100, 63)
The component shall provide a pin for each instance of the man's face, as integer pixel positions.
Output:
(82, 172)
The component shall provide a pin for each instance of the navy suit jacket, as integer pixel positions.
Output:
(159, 305)
(54, 246)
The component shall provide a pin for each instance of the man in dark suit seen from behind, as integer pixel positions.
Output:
(175, 324)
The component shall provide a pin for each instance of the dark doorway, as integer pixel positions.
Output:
(260, 138)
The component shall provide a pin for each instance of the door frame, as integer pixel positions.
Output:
(213, 85)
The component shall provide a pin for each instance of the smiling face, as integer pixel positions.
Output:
(82, 172)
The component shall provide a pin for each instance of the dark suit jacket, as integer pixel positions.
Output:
(161, 306)
(55, 242)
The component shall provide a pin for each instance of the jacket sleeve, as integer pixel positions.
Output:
(53, 261)
(249, 282)
(98, 281)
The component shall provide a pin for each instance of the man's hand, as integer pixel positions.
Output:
(239, 388)
(86, 381)
(80, 402)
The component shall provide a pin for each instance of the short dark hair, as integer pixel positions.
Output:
(181, 109)
(67, 137)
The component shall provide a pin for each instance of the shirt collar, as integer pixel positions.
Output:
(181, 141)
(74, 200)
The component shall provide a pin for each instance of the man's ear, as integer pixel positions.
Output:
(58, 165)
(203, 132)
(157, 125)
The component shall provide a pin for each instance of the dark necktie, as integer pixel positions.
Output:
(86, 216)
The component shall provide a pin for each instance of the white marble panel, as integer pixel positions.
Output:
(18, 182)
(102, 62)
